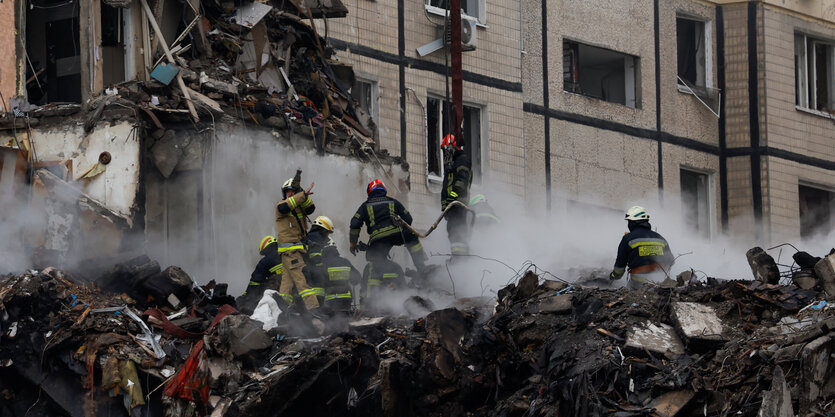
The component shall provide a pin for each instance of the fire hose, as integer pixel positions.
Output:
(400, 223)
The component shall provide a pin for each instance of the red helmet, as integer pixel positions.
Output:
(373, 185)
(449, 140)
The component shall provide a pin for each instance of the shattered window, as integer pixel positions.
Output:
(696, 201)
(814, 62)
(53, 53)
(815, 206)
(691, 47)
(365, 93)
(600, 73)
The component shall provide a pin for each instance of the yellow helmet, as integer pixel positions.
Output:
(324, 222)
(265, 242)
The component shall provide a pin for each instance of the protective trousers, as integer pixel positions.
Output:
(458, 230)
(380, 248)
(293, 276)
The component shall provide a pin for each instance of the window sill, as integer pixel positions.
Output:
(815, 112)
(442, 12)
(600, 100)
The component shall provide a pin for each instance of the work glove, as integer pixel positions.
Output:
(353, 249)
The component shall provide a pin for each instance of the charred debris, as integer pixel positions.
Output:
(141, 340)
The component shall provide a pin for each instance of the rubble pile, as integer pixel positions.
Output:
(261, 63)
(540, 348)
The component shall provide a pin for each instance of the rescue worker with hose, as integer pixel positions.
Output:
(645, 252)
(378, 213)
(264, 277)
(291, 227)
(458, 177)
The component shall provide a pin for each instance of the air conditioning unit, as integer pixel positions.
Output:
(469, 35)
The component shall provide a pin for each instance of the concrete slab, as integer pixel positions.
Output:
(698, 321)
(558, 304)
(777, 402)
(656, 338)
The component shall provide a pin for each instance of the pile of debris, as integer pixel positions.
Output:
(541, 348)
(242, 61)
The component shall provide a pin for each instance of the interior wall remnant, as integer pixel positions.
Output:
(117, 182)
(53, 67)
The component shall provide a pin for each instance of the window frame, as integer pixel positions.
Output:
(707, 37)
(631, 74)
(806, 75)
(479, 168)
(710, 192)
(375, 94)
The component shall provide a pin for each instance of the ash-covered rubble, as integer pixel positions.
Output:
(141, 340)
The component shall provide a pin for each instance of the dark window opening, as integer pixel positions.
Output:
(439, 122)
(815, 207)
(695, 201)
(53, 70)
(823, 80)
(690, 39)
(814, 73)
(600, 73)
(113, 46)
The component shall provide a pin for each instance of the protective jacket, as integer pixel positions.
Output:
(268, 266)
(317, 238)
(340, 275)
(458, 176)
(291, 218)
(640, 247)
(483, 214)
(377, 212)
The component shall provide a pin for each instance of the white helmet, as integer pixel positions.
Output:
(288, 185)
(637, 213)
(324, 222)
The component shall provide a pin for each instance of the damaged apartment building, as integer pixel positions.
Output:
(168, 126)
(173, 117)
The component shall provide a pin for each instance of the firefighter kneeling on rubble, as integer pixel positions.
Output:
(263, 277)
(291, 228)
(645, 252)
(340, 275)
(316, 239)
(378, 213)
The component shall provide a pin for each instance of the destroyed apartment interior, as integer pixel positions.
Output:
(179, 231)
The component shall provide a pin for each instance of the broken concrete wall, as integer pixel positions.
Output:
(116, 186)
(219, 199)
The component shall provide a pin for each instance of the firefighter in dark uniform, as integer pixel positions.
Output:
(645, 252)
(340, 275)
(483, 215)
(264, 277)
(456, 187)
(377, 213)
(317, 238)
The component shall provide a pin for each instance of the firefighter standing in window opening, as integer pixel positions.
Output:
(645, 252)
(456, 187)
(377, 213)
(264, 277)
(291, 227)
(316, 239)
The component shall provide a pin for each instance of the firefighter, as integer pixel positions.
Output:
(291, 227)
(340, 274)
(645, 252)
(377, 213)
(264, 276)
(483, 215)
(456, 187)
(316, 239)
